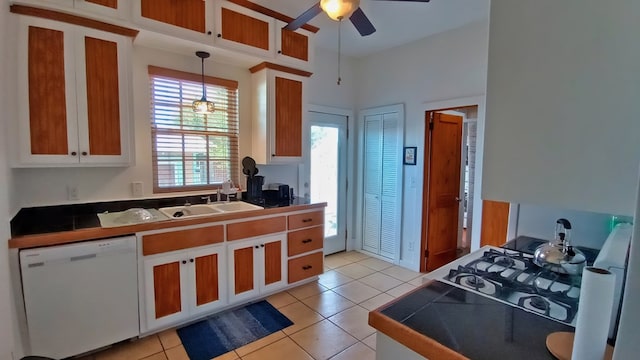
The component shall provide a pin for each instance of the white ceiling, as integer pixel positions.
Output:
(396, 22)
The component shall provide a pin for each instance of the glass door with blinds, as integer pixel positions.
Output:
(192, 151)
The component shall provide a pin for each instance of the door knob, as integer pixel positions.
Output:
(458, 199)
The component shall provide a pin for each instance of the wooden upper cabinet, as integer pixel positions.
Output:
(279, 136)
(295, 48)
(47, 96)
(187, 14)
(76, 105)
(103, 103)
(239, 28)
(107, 3)
(288, 119)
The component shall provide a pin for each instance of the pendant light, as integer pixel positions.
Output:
(203, 106)
(339, 9)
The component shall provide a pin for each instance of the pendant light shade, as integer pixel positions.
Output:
(339, 9)
(203, 106)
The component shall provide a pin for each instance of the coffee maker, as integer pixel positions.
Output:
(254, 187)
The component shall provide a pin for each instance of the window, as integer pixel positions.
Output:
(192, 151)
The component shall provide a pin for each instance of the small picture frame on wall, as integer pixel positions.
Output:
(410, 155)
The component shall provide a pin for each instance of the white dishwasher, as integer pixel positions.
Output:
(80, 297)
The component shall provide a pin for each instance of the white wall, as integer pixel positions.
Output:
(562, 117)
(7, 316)
(444, 66)
(587, 228)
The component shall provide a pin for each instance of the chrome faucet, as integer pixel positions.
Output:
(207, 199)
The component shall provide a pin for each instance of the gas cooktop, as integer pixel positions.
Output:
(511, 277)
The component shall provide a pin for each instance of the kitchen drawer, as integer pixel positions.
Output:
(184, 239)
(247, 229)
(305, 267)
(306, 240)
(305, 220)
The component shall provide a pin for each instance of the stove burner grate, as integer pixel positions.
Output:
(513, 277)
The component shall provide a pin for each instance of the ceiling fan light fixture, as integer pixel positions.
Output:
(339, 9)
(203, 106)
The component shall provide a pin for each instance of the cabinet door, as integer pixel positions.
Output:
(294, 47)
(184, 19)
(46, 86)
(273, 251)
(102, 88)
(110, 8)
(243, 265)
(209, 267)
(287, 137)
(165, 285)
(239, 28)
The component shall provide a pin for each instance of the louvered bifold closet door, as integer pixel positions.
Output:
(390, 193)
(372, 183)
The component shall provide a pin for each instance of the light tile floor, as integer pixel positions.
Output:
(330, 317)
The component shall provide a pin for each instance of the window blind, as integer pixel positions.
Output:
(192, 151)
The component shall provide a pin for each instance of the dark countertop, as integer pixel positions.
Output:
(56, 218)
(472, 325)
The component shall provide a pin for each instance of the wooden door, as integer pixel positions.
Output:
(495, 222)
(209, 286)
(288, 117)
(187, 14)
(442, 185)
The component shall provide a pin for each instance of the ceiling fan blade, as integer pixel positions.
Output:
(304, 18)
(362, 23)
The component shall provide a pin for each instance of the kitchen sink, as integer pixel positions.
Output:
(176, 212)
(188, 211)
(235, 206)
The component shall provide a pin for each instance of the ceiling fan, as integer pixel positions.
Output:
(338, 10)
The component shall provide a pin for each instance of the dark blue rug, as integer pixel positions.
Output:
(221, 333)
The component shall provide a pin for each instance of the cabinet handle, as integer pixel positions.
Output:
(306, 241)
(219, 35)
(279, 51)
(307, 267)
(84, 153)
(261, 245)
(307, 220)
(257, 247)
(73, 153)
(190, 260)
(273, 154)
(209, 32)
(184, 261)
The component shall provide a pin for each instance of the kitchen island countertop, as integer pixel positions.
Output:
(440, 321)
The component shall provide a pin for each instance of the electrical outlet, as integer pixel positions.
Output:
(72, 192)
(136, 188)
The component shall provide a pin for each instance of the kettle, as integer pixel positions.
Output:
(558, 255)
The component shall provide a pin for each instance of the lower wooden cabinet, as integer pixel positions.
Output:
(181, 284)
(305, 267)
(256, 266)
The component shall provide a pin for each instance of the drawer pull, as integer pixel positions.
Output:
(307, 220)
(306, 241)
(307, 267)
